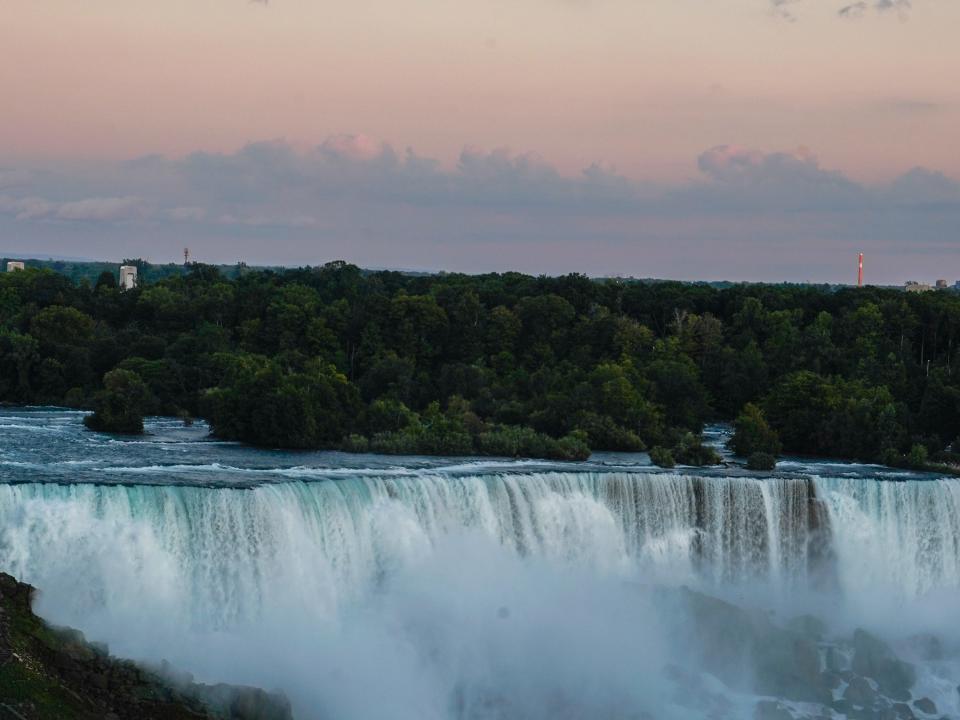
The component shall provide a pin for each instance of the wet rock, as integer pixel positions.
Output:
(842, 706)
(690, 692)
(830, 680)
(873, 658)
(745, 650)
(860, 692)
(771, 710)
(926, 705)
(903, 711)
(808, 626)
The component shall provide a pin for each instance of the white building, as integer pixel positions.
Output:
(14, 265)
(128, 277)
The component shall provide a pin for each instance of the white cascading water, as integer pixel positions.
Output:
(217, 554)
(902, 537)
(406, 580)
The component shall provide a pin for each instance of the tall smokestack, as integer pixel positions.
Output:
(860, 272)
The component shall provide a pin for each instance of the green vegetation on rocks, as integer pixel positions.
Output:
(662, 456)
(752, 434)
(118, 408)
(690, 450)
(49, 673)
(761, 461)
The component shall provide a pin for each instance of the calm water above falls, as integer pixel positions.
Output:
(369, 586)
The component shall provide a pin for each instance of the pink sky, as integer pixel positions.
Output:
(645, 86)
(642, 88)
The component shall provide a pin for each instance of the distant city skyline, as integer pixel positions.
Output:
(746, 140)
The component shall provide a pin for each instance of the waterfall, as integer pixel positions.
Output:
(227, 550)
(293, 583)
(903, 537)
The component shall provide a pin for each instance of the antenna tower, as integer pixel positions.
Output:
(860, 271)
(186, 256)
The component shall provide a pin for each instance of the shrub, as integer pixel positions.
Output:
(118, 408)
(572, 447)
(662, 456)
(356, 444)
(917, 457)
(761, 461)
(690, 450)
(752, 434)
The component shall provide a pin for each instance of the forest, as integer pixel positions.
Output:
(498, 364)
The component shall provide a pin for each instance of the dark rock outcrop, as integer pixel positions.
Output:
(873, 658)
(746, 650)
(49, 673)
(860, 692)
(798, 661)
(771, 710)
(926, 705)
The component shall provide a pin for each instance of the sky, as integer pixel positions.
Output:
(692, 139)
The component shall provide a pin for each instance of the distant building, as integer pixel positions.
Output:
(914, 286)
(128, 277)
(941, 284)
(14, 265)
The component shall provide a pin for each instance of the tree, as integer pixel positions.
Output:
(752, 434)
(676, 386)
(263, 402)
(119, 406)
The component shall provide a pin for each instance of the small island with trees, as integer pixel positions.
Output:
(499, 364)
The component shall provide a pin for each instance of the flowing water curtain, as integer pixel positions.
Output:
(223, 556)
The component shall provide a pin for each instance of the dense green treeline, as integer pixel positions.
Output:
(498, 364)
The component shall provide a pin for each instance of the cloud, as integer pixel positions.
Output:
(272, 183)
(195, 214)
(101, 209)
(855, 10)
(98, 209)
(920, 186)
(782, 9)
(785, 9)
(743, 177)
(361, 198)
(25, 208)
(353, 148)
(732, 163)
(898, 5)
(908, 106)
(858, 9)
